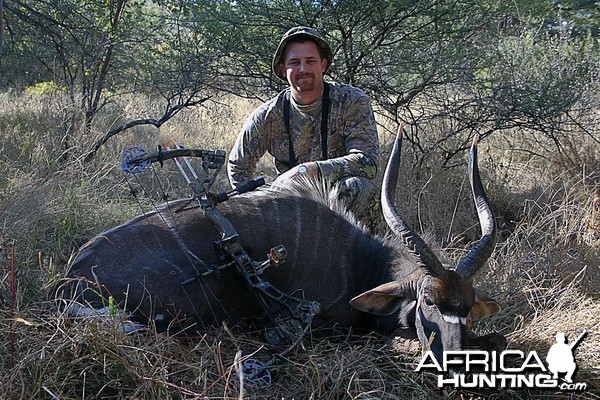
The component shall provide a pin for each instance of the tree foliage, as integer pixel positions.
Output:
(99, 51)
(477, 66)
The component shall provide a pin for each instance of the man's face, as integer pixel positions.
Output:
(303, 66)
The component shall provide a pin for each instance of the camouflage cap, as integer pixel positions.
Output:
(300, 31)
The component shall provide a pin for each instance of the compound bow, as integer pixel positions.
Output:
(288, 317)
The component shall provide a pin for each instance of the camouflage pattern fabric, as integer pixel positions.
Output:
(352, 144)
(352, 141)
(361, 197)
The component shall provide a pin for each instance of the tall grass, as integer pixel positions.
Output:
(544, 271)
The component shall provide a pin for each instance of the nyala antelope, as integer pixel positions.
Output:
(156, 267)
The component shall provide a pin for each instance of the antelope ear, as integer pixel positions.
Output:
(484, 306)
(381, 300)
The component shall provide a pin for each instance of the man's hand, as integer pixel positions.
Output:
(310, 169)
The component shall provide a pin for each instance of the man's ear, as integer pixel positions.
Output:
(324, 64)
(282, 71)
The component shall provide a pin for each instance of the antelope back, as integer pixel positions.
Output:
(154, 265)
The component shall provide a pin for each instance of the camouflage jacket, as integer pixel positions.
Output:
(352, 142)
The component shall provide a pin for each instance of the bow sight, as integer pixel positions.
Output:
(288, 318)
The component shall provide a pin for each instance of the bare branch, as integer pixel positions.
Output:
(170, 112)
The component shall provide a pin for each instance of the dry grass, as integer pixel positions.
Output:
(544, 273)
